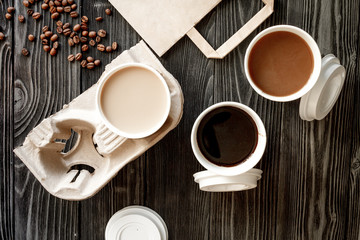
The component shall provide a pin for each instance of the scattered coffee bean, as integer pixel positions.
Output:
(78, 56)
(72, 34)
(73, 6)
(84, 26)
(55, 15)
(108, 49)
(56, 45)
(84, 19)
(64, 2)
(90, 65)
(76, 39)
(52, 9)
(114, 46)
(46, 1)
(42, 36)
(84, 48)
(46, 48)
(76, 28)
(25, 52)
(45, 29)
(70, 2)
(8, 16)
(108, 12)
(90, 59)
(92, 43)
(57, 3)
(67, 31)
(97, 62)
(71, 58)
(66, 25)
(31, 1)
(74, 14)
(85, 33)
(45, 41)
(54, 37)
(83, 40)
(59, 23)
(92, 34)
(99, 19)
(2, 36)
(26, 3)
(98, 39)
(101, 47)
(83, 63)
(67, 9)
(11, 9)
(31, 37)
(36, 15)
(53, 52)
(21, 18)
(48, 34)
(59, 30)
(71, 42)
(51, 4)
(29, 12)
(102, 33)
(60, 9)
(44, 6)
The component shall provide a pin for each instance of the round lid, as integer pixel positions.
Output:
(134, 223)
(212, 182)
(318, 102)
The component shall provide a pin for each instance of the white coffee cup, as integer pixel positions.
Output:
(315, 52)
(154, 128)
(251, 160)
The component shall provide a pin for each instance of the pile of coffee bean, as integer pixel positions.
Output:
(79, 34)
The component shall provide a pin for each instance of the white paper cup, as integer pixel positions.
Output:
(251, 160)
(123, 133)
(314, 75)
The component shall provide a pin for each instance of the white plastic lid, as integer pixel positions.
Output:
(134, 223)
(212, 182)
(319, 101)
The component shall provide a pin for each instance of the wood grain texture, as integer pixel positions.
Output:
(311, 180)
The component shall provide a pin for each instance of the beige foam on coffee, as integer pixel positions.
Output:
(41, 150)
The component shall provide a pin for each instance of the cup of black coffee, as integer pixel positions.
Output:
(228, 138)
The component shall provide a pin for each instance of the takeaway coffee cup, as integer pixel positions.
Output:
(133, 100)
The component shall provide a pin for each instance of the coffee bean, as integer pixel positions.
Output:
(90, 65)
(31, 1)
(45, 29)
(42, 36)
(78, 56)
(25, 52)
(99, 19)
(74, 14)
(21, 18)
(101, 47)
(72, 34)
(85, 33)
(66, 25)
(8, 16)
(108, 11)
(84, 19)
(92, 34)
(84, 48)
(45, 41)
(76, 39)
(54, 37)
(76, 28)
(114, 46)
(46, 48)
(55, 15)
(59, 23)
(59, 9)
(59, 30)
(26, 3)
(108, 49)
(90, 59)
(2, 36)
(64, 2)
(56, 45)
(73, 6)
(83, 39)
(70, 2)
(52, 9)
(29, 12)
(92, 43)
(83, 63)
(102, 33)
(71, 42)
(84, 26)
(98, 39)
(57, 3)
(44, 6)
(97, 62)
(67, 9)
(51, 3)
(67, 31)
(71, 58)
(48, 34)
(53, 52)
(11, 9)
(36, 15)
(31, 37)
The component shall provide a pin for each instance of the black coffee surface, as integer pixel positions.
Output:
(227, 136)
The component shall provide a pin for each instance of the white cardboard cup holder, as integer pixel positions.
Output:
(96, 146)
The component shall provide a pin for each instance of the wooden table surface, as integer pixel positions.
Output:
(311, 182)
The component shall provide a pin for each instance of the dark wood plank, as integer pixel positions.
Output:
(43, 84)
(7, 207)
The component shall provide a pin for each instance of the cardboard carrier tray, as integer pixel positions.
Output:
(96, 146)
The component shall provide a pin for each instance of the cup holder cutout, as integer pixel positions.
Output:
(79, 168)
(69, 143)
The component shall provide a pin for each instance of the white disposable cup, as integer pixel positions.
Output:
(114, 129)
(251, 160)
(315, 52)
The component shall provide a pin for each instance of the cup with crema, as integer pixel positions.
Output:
(133, 100)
